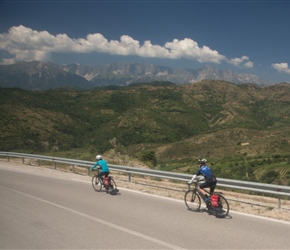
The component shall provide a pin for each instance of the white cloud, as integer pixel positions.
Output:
(25, 44)
(243, 61)
(281, 67)
(188, 48)
(249, 65)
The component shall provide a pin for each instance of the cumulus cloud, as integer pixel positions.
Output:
(249, 65)
(188, 48)
(25, 44)
(243, 61)
(281, 67)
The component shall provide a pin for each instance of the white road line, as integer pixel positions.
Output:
(130, 190)
(123, 229)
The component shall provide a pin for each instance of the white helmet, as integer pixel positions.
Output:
(203, 161)
(98, 157)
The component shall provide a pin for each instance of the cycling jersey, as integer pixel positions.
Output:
(103, 165)
(207, 173)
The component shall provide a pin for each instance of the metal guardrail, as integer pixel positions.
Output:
(276, 190)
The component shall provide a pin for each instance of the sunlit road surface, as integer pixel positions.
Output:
(40, 210)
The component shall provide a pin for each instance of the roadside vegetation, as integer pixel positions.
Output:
(243, 130)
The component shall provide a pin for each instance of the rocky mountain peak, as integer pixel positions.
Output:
(49, 75)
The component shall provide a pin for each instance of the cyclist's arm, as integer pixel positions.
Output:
(95, 165)
(192, 179)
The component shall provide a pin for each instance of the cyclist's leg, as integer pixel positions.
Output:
(212, 187)
(104, 175)
(202, 186)
(101, 175)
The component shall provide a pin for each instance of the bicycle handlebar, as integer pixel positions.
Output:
(96, 169)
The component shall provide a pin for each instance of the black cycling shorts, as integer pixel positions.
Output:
(209, 184)
(104, 174)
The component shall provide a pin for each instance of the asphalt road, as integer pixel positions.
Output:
(40, 210)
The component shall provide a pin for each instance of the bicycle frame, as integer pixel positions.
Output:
(99, 181)
(193, 198)
(197, 189)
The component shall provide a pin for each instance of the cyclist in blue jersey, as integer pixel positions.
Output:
(103, 166)
(210, 179)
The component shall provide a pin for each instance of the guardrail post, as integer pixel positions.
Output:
(73, 168)
(54, 163)
(279, 201)
(89, 171)
(129, 177)
(38, 163)
(22, 160)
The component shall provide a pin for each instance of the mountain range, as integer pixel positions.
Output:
(37, 75)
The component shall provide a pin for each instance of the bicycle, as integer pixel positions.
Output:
(100, 182)
(217, 205)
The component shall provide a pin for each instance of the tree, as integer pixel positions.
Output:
(148, 156)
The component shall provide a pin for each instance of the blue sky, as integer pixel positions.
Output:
(243, 36)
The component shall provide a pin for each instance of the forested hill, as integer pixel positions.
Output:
(170, 123)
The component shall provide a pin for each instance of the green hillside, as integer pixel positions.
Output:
(243, 130)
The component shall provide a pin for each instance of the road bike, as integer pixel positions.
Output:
(217, 204)
(107, 182)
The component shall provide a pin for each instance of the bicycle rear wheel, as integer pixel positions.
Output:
(97, 183)
(112, 187)
(113, 184)
(223, 208)
(192, 200)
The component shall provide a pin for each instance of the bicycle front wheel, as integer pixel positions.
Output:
(223, 208)
(97, 183)
(192, 200)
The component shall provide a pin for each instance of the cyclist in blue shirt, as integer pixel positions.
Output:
(103, 166)
(210, 179)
